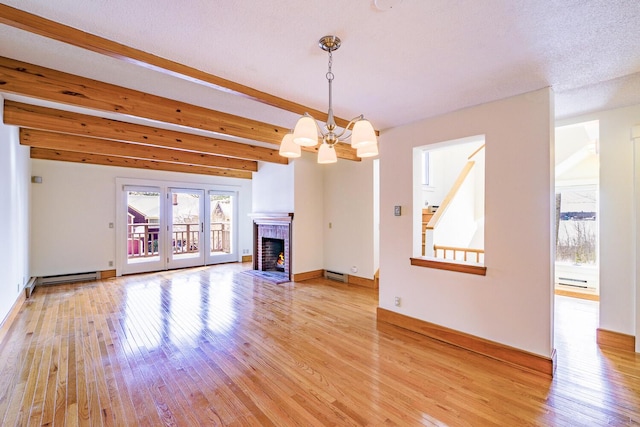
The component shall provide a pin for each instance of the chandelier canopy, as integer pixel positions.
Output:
(307, 130)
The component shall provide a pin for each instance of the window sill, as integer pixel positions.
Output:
(451, 266)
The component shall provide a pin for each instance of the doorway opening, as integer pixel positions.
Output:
(576, 218)
(576, 283)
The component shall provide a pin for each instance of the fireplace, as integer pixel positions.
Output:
(272, 242)
(273, 258)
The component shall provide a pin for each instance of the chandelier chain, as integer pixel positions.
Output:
(330, 73)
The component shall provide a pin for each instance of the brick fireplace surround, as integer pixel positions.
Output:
(271, 226)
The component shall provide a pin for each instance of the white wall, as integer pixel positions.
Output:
(14, 216)
(308, 239)
(298, 188)
(349, 207)
(273, 188)
(513, 303)
(376, 214)
(72, 209)
(636, 138)
(618, 225)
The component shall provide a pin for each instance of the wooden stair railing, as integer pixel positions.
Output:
(450, 195)
(455, 250)
(426, 217)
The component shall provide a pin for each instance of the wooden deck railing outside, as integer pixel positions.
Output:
(143, 239)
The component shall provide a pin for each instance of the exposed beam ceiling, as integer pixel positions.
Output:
(43, 83)
(586, 51)
(68, 132)
(36, 117)
(395, 77)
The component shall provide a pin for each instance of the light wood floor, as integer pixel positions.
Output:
(214, 346)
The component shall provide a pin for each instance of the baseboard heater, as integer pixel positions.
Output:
(568, 281)
(339, 277)
(69, 278)
(30, 286)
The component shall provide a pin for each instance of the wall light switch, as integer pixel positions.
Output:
(397, 210)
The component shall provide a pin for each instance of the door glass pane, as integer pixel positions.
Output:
(221, 224)
(186, 223)
(143, 226)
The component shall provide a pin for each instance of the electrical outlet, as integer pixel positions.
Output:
(397, 301)
(397, 210)
(110, 263)
(110, 225)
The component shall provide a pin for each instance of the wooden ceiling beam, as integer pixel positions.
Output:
(66, 34)
(50, 119)
(38, 82)
(96, 159)
(83, 144)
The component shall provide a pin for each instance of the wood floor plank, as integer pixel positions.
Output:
(61, 391)
(213, 347)
(139, 395)
(33, 399)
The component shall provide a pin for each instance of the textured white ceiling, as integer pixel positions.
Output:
(420, 58)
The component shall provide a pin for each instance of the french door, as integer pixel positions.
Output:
(143, 247)
(167, 227)
(186, 228)
(221, 227)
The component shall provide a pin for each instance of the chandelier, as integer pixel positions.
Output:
(307, 131)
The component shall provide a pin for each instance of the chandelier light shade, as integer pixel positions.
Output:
(363, 134)
(370, 150)
(327, 154)
(288, 148)
(307, 132)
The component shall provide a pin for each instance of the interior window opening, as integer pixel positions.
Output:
(449, 201)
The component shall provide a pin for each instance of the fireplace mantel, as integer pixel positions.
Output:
(272, 217)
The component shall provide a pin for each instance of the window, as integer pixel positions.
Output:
(426, 169)
(577, 232)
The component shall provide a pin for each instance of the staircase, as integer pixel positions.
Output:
(448, 232)
(426, 217)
